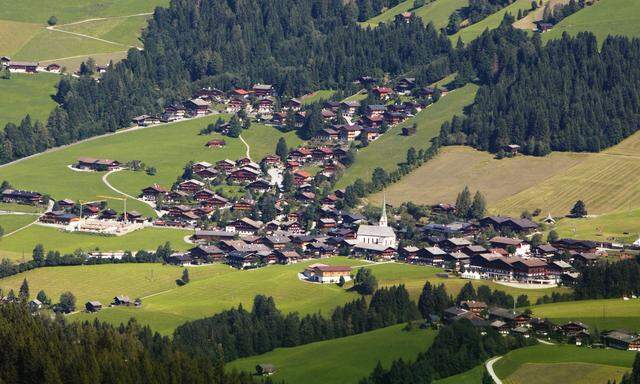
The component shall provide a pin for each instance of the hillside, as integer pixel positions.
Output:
(343, 359)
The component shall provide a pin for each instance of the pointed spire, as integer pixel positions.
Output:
(383, 216)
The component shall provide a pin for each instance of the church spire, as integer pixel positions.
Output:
(383, 216)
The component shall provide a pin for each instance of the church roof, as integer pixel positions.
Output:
(374, 230)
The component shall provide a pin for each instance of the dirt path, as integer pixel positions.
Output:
(489, 366)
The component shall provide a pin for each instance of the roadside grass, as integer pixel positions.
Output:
(19, 246)
(10, 223)
(605, 17)
(490, 22)
(391, 148)
(38, 11)
(606, 181)
(568, 373)
(27, 94)
(602, 314)
(549, 355)
(320, 95)
(342, 360)
(442, 178)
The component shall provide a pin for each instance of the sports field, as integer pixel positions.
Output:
(343, 360)
(603, 314)
(27, 94)
(442, 178)
(391, 148)
(563, 364)
(605, 17)
(20, 244)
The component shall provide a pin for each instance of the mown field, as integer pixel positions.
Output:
(601, 314)
(220, 287)
(605, 17)
(563, 364)
(20, 244)
(343, 360)
(391, 149)
(605, 181)
(442, 178)
(27, 94)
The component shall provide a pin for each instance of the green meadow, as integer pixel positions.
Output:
(343, 360)
(602, 314)
(605, 17)
(19, 246)
(27, 94)
(563, 364)
(391, 148)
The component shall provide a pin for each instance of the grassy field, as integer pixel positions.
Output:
(603, 314)
(341, 360)
(20, 245)
(605, 181)
(227, 287)
(442, 178)
(27, 94)
(12, 222)
(493, 21)
(606, 17)
(436, 12)
(39, 11)
(391, 149)
(563, 364)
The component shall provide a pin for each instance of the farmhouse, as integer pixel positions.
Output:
(91, 163)
(327, 273)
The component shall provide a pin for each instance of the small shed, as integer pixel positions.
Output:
(265, 369)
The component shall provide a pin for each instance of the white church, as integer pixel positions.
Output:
(380, 234)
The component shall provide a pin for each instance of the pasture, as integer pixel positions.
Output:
(442, 178)
(605, 17)
(563, 364)
(29, 94)
(342, 360)
(603, 314)
(18, 246)
(391, 148)
(605, 181)
(227, 287)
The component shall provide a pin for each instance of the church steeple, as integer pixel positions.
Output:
(383, 216)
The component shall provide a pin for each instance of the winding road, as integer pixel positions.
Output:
(489, 366)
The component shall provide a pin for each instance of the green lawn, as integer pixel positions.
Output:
(22, 243)
(603, 314)
(10, 223)
(515, 367)
(391, 149)
(27, 94)
(343, 360)
(493, 21)
(606, 17)
(39, 11)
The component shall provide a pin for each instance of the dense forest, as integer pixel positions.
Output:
(238, 333)
(457, 348)
(567, 95)
(38, 349)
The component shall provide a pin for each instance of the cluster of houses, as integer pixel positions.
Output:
(512, 322)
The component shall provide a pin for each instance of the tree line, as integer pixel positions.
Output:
(236, 333)
(39, 349)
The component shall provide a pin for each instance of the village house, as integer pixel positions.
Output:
(93, 164)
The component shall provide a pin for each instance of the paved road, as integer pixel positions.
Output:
(489, 366)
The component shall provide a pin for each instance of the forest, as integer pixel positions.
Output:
(39, 349)
(240, 333)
